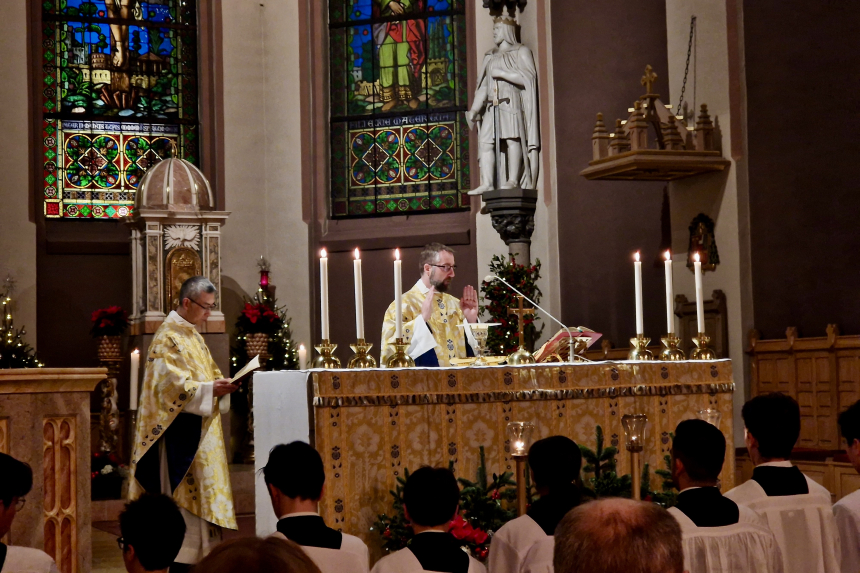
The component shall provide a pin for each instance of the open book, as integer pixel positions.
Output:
(559, 344)
(252, 365)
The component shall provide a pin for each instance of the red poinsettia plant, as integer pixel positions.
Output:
(259, 317)
(110, 321)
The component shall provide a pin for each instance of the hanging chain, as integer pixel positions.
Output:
(687, 69)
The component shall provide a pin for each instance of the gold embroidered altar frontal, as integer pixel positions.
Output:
(370, 425)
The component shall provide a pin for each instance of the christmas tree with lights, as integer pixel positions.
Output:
(14, 350)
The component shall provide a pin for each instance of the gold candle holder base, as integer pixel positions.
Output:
(639, 349)
(702, 351)
(325, 359)
(400, 359)
(361, 359)
(671, 353)
(521, 356)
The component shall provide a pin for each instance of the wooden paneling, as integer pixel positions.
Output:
(822, 374)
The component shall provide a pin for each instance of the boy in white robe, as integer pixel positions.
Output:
(153, 530)
(555, 463)
(718, 535)
(431, 500)
(295, 477)
(847, 509)
(797, 508)
(16, 481)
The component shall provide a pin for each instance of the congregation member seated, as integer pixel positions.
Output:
(431, 499)
(295, 476)
(718, 535)
(255, 555)
(616, 535)
(797, 509)
(555, 463)
(16, 481)
(847, 509)
(152, 530)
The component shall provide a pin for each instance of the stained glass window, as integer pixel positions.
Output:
(119, 93)
(399, 139)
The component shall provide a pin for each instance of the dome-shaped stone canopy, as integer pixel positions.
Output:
(176, 185)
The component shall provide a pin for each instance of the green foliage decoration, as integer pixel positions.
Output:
(496, 299)
(15, 352)
(601, 463)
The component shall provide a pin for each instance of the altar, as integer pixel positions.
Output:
(370, 425)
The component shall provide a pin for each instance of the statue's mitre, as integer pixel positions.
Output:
(505, 20)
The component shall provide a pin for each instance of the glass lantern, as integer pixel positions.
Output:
(520, 437)
(711, 416)
(634, 431)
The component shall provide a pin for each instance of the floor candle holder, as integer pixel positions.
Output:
(400, 359)
(361, 359)
(703, 351)
(326, 359)
(671, 352)
(639, 348)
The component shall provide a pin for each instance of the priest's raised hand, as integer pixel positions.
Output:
(469, 304)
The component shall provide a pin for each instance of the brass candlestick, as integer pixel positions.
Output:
(634, 432)
(639, 348)
(522, 493)
(361, 359)
(671, 353)
(702, 351)
(400, 359)
(521, 355)
(326, 359)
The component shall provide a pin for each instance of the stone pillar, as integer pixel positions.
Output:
(512, 212)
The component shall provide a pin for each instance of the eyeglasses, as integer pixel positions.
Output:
(19, 503)
(120, 541)
(446, 268)
(210, 307)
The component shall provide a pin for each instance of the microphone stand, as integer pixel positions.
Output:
(570, 339)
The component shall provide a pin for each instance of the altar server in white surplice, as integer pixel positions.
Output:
(555, 463)
(431, 500)
(797, 509)
(16, 481)
(847, 509)
(295, 477)
(718, 535)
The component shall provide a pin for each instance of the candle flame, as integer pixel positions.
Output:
(668, 255)
(135, 351)
(357, 256)
(696, 257)
(323, 254)
(301, 346)
(397, 254)
(636, 256)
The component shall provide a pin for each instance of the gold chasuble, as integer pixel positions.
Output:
(443, 336)
(177, 363)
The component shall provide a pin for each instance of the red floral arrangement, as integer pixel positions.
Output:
(259, 317)
(110, 321)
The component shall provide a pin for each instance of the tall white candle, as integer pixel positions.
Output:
(637, 265)
(670, 294)
(700, 301)
(398, 294)
(303, 357)
(324, 294)
(359, 297)
(133, 383)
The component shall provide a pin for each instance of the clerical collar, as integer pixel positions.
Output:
(174, 317)
(782, 464)
(690, 488)
(300, 514)
(422, 287)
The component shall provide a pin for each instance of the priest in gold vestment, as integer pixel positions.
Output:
(431, 316)
(179, 444)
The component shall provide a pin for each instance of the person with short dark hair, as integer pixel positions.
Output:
(295, 477)
(152, 530)
(847, 509)
(16, 481)
(718, 534)
(432, 318)
(797, 509)
(431, 500)
(555, 463)
(255, 555)
(616, 535)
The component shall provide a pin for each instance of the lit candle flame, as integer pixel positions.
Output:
(323, 254)
(136, 351)
(636, 256)
(519, 446)
(397, 254)
(668, 255)
(696, 257)
(357, 256)
(301, 346)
